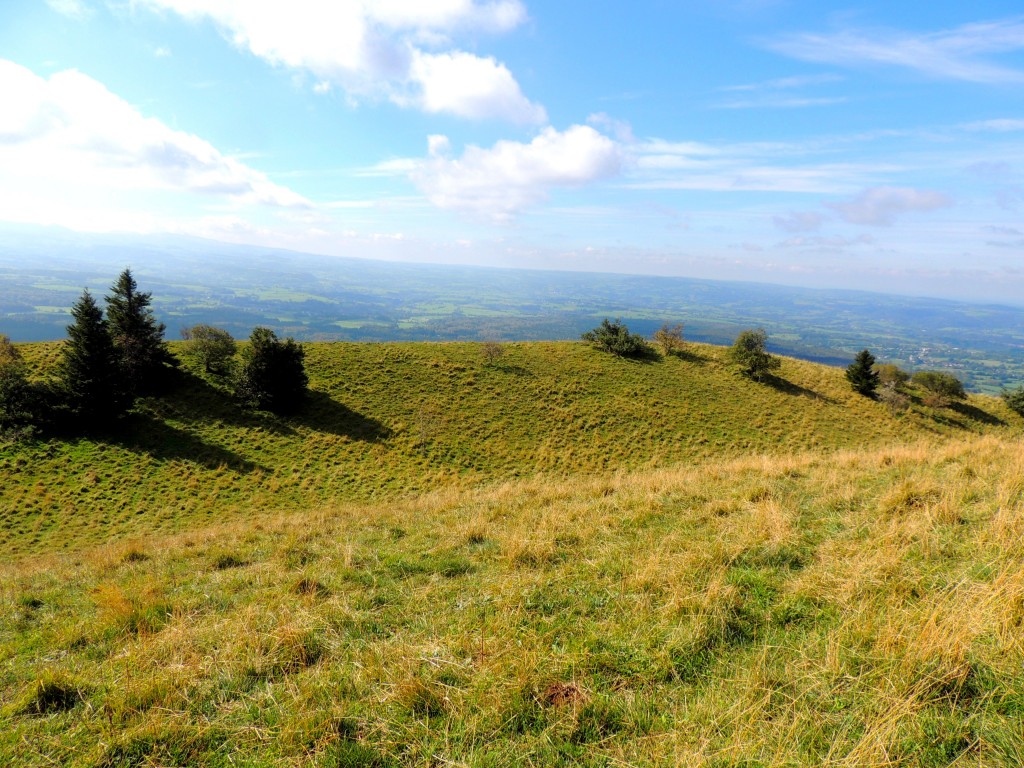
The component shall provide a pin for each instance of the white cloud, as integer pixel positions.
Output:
(380, 48)
(799, 221)
(826, 243)
(785, 83)
(748, 167)
(1005, 125)
(879, 206)
(778, 93)
(499, 182)
(73, 9)
(620, 129)
(68, 141)
(954, 54)
(469, 86)
(782, 102)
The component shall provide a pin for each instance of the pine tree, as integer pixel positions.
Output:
(138, 337)
(273, 374)
(90, 379)
(862, 375)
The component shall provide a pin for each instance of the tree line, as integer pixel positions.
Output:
(111, 358)
(882, 381)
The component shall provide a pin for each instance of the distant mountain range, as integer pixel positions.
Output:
(43, 271)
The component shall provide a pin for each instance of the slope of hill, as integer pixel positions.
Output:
(857, 607)
(390, 420)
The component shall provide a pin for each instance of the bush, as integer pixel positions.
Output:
(748, 352)
(1014, 398)
(941, 387)
(491, 352)
(273, 374)
(891, 374)
(669, 339)
(14, 386)
(894, 400)
(614, 337)
(210, 349)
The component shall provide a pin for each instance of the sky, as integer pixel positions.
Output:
(872, 145)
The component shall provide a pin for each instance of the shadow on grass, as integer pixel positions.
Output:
(789, 388)
(199, 401)
(323, 413)
(972, 412)
(512, 370)
(144, 433)
(686, 356)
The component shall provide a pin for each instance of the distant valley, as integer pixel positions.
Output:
(42, 271)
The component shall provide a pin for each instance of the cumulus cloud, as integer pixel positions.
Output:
(880, 206)
(469, 86)
(381, 48)
(68, 132)
(499, 182)
(799, 221)
(954, 54)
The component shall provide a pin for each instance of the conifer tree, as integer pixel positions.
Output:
(862, 375)
(90, 379)
(137, 336)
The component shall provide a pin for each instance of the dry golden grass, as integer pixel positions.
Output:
(863, 608)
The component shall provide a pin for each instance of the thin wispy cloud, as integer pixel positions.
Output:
(780, 93)
(799, 221)
(786, 83)
(782, 102)
(881, 206)
(963, 53)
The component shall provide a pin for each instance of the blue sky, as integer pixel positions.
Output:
(872, 145)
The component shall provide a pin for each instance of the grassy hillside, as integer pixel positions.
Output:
(856, 608)
(387, 421)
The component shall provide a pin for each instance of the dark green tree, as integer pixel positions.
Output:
(272, 375)
(1014, 398)
(211, 349)
(614, 337)
(862, 375)
(16, 399)
(90, 381)
(138, 337)
(750, 353)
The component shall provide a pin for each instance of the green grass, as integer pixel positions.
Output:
(858, 609)
(392, 420)
(563, 558)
